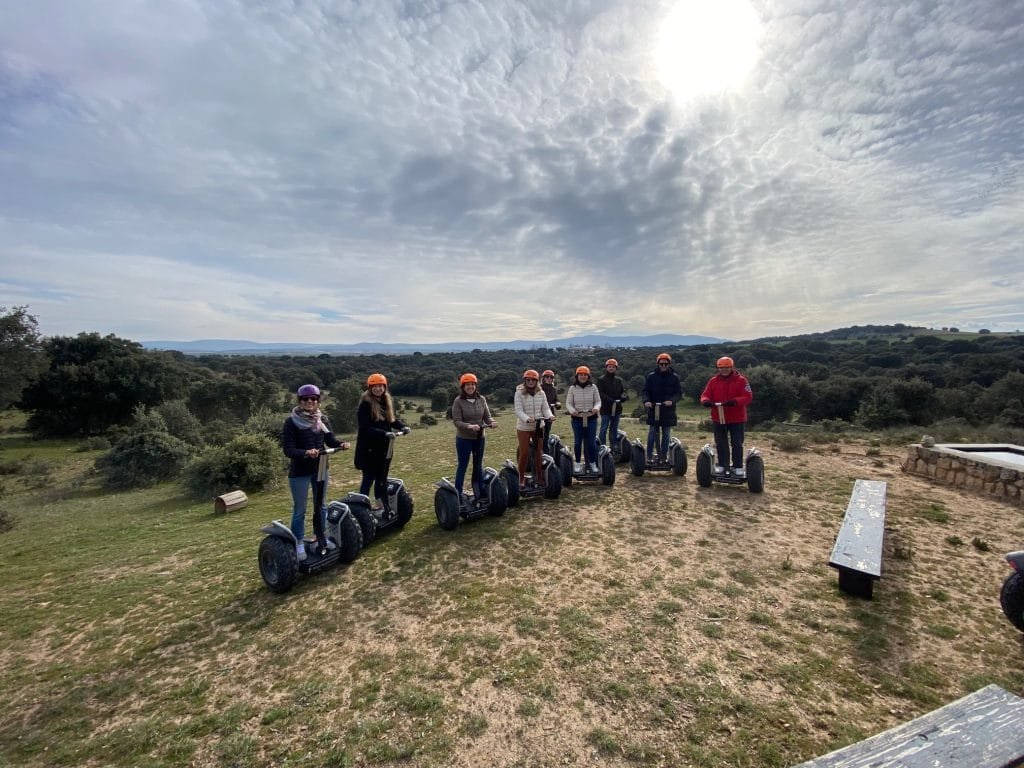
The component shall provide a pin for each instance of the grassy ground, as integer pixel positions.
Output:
(652, 623)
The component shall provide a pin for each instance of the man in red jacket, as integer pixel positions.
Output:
(730, 389)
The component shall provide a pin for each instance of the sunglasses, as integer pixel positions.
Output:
(665, 364)
(313, 399)
(529, 379)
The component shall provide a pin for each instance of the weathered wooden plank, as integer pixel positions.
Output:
(230, 501)
(858, 549)
(984, 729)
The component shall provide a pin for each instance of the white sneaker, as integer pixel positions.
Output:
(719, 469)
(300, 551)
(593, 467)
(576, 467)
(739, 472)
(331, 544)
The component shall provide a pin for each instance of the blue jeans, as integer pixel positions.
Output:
(466, 447)
(609, 424)
(724, 434)
(300, 490)
(652, 438)
(585, 437)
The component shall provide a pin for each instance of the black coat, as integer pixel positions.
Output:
(372, 441)
(659, 387)
(296, 442)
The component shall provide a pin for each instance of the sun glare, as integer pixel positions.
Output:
(707, 46)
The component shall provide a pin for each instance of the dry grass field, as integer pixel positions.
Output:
(653, 623)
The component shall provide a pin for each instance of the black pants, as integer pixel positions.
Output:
(724, 434)
(377, 476)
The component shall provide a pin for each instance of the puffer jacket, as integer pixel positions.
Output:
(529, 406)
(720, 389)
(295, 442)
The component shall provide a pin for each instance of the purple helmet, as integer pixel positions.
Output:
(309, 390)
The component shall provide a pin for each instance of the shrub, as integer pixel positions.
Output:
(181, 422)
(427, 420)
(247, 462)
(265, 423)
(142, 459)
(93, 444)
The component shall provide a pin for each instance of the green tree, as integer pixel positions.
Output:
(22, 358)
(95, 382)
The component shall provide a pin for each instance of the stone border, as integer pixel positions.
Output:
(951, 465)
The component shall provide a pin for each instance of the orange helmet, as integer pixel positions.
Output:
(582, 369)
(724, 362)
(467, 378)
(611, 361)
(550, 373)
(531, 374)
(376, 378)
(664, 357)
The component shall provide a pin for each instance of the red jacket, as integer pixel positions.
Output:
(732, 387)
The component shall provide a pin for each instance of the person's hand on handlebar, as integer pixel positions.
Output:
(389, 435)
(707, 403)
(729, 403)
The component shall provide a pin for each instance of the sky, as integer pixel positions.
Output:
(343, 171)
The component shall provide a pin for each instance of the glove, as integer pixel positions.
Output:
(729, 403)
(406, 430)
(389, 435)
(706, 403)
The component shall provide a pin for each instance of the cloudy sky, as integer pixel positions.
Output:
(397, 170)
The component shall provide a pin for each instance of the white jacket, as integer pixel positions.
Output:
(531, 407)
(582, 400)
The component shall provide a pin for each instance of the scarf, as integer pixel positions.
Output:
(302, 419)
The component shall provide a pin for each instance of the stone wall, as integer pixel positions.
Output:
(964, 472)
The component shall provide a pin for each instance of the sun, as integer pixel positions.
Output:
(707, 46)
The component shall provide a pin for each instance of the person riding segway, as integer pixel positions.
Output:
(728, 394)
(583, 402)
(532, 413)
(613, 395)
(660, 394)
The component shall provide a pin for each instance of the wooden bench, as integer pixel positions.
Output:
(984, 729)
(858, 549)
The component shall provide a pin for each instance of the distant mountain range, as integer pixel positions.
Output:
(240, 347)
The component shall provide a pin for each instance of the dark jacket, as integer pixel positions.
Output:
(552, 395)
(720, 389)
(372, 441)
(296, 442)
(658, 387)
(612, 391)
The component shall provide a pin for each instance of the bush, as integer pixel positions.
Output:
(141, 460)
(93, 444)
(247, 462)
(181, 422)
(427, 420)
(265, 423)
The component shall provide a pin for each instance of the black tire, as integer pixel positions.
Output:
(446, 507)
(553, 483)
(510, 477)
(637, 460)
(703, 470)
(625, 450)
(1011, 598)
(563, 463)
(608, 470)
(405, 507)
(755, 474)
(367, 522)
(499, 498)
(679, 460)
(279, 566)
(351, 543)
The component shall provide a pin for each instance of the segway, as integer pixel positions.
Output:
(491, 498)
(1011, 597)
(566, 463)
(396, 507)
(675, 462)
(528, 487)
(337, 540)
(706, 475)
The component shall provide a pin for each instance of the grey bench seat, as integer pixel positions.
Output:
(857, 553)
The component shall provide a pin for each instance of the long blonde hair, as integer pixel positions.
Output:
(381, 408)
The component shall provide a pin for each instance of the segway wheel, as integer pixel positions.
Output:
(625, 450)
(405, 507)
(637, 460)
(510, 477)
(278, 565)
(703, 470)
(367, 522)
(608, 470)
(755, 474)
(499, 498)
(564, 461)
(351, 543)
(1011, 598)
(679, 460)
(446, 507)
(553, 482)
